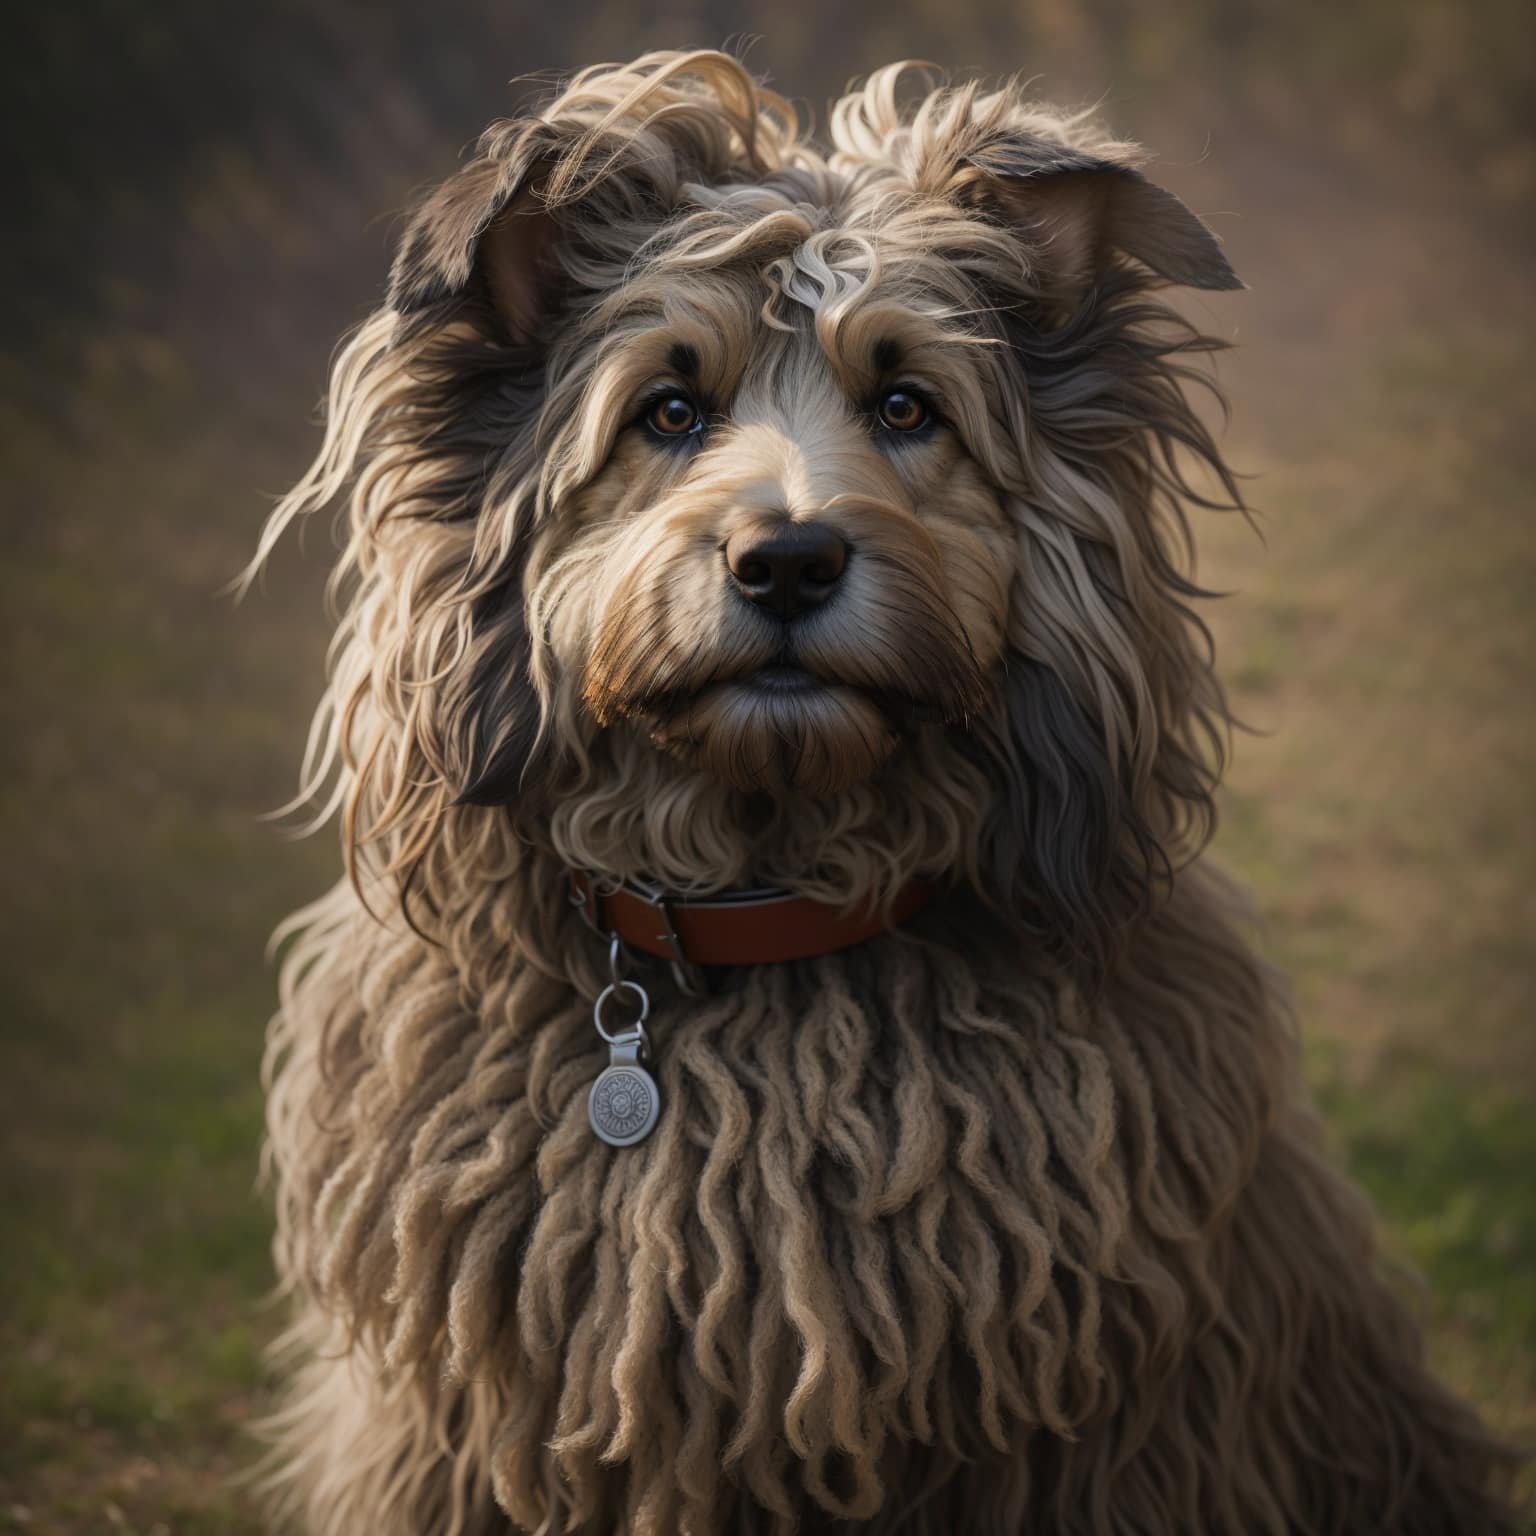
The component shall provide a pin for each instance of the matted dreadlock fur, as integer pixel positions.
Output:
(1011, 1220)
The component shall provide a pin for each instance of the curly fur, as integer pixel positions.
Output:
(1012, 1220)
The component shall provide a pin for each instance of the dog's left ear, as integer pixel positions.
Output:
(1069, 848)
(1078, 210)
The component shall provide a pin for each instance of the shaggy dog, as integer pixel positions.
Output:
(729, 512)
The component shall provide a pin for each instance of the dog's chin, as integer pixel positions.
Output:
(781, 729)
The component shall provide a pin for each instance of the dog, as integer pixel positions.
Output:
(778, 1059)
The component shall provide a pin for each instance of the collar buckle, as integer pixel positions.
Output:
(586, 897)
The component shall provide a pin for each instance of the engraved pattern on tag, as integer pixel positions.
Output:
(623, 1105)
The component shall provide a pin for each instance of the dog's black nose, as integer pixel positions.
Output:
(786, 567)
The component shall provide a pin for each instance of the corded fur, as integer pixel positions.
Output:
(950, 1232)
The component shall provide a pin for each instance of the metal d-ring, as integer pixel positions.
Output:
(637, 1029)
(618, 961)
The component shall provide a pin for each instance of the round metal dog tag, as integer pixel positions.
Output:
(623, 1105)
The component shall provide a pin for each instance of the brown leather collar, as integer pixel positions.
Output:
(758, 927)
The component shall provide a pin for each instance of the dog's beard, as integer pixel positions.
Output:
(816, 706)
(764, 735)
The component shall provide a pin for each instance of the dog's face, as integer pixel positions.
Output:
(788, 555)
(685, 442)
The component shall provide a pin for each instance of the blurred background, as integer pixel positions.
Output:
(200, 198)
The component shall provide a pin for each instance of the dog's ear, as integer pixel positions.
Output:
(1068, 849)
(488, 228)
(492, 733)
(484, 244)
(1077, 210)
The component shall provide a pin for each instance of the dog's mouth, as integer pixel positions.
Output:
(903, 710)
(814, 707)
(784, 725)
(781, 678)
(787, 683)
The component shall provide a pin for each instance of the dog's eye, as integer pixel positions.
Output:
(902, 411)
(673, 416)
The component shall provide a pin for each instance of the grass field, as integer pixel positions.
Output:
(1380, 641)
(1384, 642)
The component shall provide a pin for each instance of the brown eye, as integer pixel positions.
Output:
(673, 416)
(903, 412)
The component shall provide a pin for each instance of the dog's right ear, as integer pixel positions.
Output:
(487, 228)
(492, 731)
(484, 243)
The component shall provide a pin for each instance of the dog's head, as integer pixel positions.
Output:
(700, 465)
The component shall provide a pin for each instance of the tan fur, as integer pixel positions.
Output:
(1013, 1220)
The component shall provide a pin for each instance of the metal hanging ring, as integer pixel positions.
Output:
(612, 990)
(618, 961)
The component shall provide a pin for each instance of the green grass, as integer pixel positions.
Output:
(146, 729)
(1382, 643)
